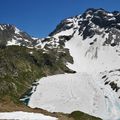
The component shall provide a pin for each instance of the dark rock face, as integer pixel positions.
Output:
(113, 37)
(98, 17)
(112, 78)
(102, 18)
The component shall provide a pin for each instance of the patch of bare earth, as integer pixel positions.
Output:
(9, 106)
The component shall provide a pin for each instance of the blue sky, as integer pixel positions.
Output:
(40, 17)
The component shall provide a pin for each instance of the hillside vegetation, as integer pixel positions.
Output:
(21, 66)
(77, 115)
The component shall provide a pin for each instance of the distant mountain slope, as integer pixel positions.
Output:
(11, 35)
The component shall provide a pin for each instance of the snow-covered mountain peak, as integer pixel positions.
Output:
(6, 27)
(96, 26)
(91, 22)
(11, 35)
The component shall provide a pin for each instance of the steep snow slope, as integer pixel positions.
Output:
(24, 116)
(92, 58)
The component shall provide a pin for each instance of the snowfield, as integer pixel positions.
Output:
(70, 92)
(24, 116)
(67, 93)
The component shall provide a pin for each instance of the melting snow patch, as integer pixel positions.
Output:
(24, 116)
(31, 52)
(17, 31)
(13, 42)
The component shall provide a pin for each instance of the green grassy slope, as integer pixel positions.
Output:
(20, 67)
(77, 115)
